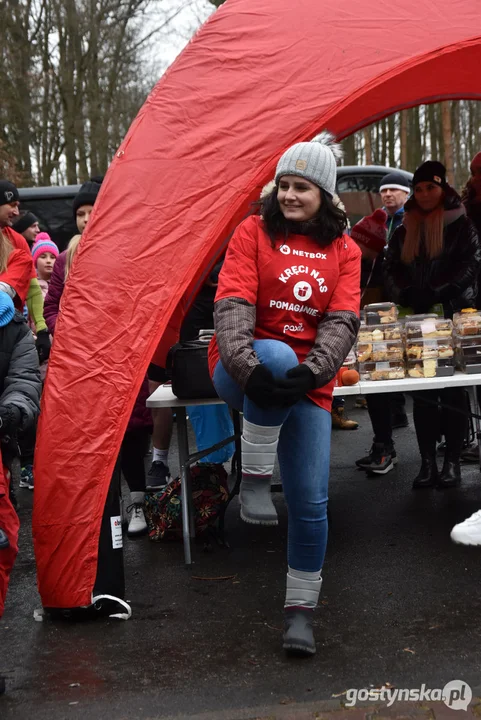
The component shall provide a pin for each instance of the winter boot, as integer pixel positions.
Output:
(259, 447)
(302, 594)
(340, 421)
(450, 474)
(428, 474)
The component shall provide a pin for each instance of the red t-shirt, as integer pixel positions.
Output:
(20, 268)
(291, 286)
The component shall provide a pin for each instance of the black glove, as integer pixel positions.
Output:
(423, 300)
(43, 345)
(10, 419)
(299, 381)
(261, 388)
(406, 297)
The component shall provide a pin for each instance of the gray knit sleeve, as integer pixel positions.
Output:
(235, 321)
(336, 334)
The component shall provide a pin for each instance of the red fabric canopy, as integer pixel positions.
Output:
(258, 77)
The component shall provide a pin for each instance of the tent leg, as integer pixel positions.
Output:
(185, 490)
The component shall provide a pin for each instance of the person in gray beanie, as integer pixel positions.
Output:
(286, 316)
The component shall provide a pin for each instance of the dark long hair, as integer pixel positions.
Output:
(329, 223)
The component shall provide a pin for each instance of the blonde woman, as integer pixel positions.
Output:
(434, 258)
(82, 207)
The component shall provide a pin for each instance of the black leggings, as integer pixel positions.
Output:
(381, 407)
(132, 453)
(431, 421)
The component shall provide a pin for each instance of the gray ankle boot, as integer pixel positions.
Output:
(255, 497)
(298, 635)
(302, 594)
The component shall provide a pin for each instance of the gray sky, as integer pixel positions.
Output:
(187, 16)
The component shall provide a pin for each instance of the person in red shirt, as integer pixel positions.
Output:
(286, 315)
(18, 277)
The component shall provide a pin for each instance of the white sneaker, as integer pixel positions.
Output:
(137, 524)
(469, 531)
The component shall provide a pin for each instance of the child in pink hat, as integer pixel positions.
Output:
(44, 254)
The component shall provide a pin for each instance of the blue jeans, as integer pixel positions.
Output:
(303, 453)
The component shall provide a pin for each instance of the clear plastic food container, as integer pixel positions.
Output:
(429, 328)
(422, 349)
(376, 333)
(432, 367)
(383, 351)
(382, 370)
(419, 318)
(468, 353)
(467, 322)
(380, 313)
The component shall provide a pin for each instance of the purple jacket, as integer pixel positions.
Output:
(51, 303)
(141, 415)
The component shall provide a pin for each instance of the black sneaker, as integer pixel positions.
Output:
(381, 459)
(158, 476)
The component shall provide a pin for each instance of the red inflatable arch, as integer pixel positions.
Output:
(256, 78)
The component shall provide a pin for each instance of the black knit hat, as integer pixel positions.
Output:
(87, 195)
(396, 180)
(24, 221)
(8, 192)
(431, 171)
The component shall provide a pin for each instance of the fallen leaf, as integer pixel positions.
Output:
(409, 651)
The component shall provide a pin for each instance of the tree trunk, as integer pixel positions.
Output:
(448, 140)
(367, 146)
(403, 133)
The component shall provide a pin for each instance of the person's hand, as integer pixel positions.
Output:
(10, 419)
(423, 300)
(43, 345)
(261, 387)
(406, 297)
(299, 381)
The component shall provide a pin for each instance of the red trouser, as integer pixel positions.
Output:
(10, 524)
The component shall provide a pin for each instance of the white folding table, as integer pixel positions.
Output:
(163, 397)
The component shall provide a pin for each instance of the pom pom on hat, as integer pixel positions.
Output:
(43, 244)
(7, 310)
(370, 233)
(315, 161)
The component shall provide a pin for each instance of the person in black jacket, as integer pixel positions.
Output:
(20, 388)
(435, 257)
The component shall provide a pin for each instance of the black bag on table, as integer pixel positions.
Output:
(189, 369)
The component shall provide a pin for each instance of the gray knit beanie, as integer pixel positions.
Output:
(315, 161)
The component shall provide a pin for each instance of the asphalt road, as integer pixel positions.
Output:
(400, 605)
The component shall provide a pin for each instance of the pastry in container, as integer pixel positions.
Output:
(467, 322)
(431, 367)
(377, 333)
(429, 328)
(382, 370)
(421, 349)
(469, 353)
(380, 351)
(380, 314)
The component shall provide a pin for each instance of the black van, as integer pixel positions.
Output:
(53, 207)
(357, 186)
